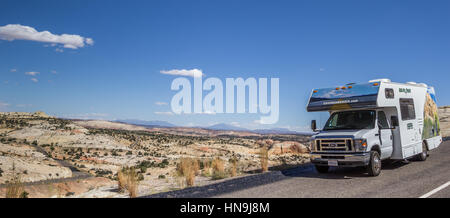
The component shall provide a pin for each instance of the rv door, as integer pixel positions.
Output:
(385, 135)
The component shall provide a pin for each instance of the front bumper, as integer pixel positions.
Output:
(344, 160)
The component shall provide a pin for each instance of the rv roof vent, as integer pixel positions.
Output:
(380, 80)
(423, 84)
(412, 83)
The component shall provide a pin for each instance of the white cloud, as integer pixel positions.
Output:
(3, 106)
(160, 103)
(34, 80)
(183, 72)
(235, 124)
(164, 113)
(208, 112)
(89, 41)
(12, 32)
(32, 73)
(24, 105)
(59, 50)
(54, 72)
(260, 122)
(257, 121)
(322, 69)
(13, 70)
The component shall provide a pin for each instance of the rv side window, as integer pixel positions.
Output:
(389, 93)
(407, 109)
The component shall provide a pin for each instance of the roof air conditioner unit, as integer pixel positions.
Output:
(423, 85)
(379, 80)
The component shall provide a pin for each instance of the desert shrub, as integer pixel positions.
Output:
(24, 194)
(188, 168)
(128, 179)
(140, 177)
(102, 172)
(163, 163)
(218, 168)
(161, 176)
(264, 159)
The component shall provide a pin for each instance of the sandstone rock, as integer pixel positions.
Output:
(444, 119)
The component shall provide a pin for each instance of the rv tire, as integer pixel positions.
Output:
(423, 156)
(374, 167)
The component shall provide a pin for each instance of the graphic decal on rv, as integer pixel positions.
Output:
(346, 97)
(431, 126)
(405, 90)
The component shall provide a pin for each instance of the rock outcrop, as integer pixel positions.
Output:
(444, 119)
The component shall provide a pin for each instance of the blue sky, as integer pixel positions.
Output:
(307, 44)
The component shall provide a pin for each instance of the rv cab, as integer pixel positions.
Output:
(373, 121)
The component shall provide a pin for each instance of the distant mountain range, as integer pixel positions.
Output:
(226, 127)
(220, 126)
(154, 123)
(275, 131)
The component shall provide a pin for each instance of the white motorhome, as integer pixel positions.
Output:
(372, 122)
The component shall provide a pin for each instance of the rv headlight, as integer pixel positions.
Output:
(360, 144)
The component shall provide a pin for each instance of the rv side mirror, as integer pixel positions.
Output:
(394, 121)
(313, 125)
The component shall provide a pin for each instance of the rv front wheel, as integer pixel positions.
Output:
(423, 156)
(374, 167)
(322, 169)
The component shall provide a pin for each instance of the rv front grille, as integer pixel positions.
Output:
(335, 144)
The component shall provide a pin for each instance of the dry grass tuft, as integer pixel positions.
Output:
(128, 180)
(15, 187)
(206, 164)
(121, 180)
(218, 167)
(264, 159)
(233, 169)
(188, 168)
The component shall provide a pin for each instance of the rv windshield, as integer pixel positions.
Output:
(363, 119)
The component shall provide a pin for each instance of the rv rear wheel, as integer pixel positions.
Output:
(423, 156)
(322, 169)
(374, 167)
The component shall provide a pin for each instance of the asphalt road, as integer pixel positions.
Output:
(76, 174)
(411, 180)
